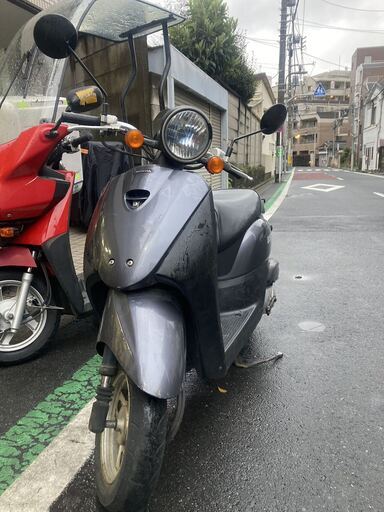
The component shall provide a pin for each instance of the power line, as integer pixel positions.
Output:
(377, 95)
(314, 24)
(322, 60)
(274, 44)
(351, 8)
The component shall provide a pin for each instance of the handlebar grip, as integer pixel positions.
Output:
(71, 117)
(81, 140)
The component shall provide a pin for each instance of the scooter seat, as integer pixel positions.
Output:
(236, 210)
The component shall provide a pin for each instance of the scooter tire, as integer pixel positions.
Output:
(49, 330)
(140, 467)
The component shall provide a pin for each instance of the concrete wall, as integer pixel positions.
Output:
(268, 147)
(241, 120)
(111, 65)
(185, 75)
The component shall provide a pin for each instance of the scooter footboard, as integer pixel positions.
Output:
(145, 331)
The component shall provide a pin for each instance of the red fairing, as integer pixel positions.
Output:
(16, 257)
(53, 223)
(24, 194)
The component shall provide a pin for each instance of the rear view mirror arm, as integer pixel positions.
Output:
(167, 67)
(93, 78)
(131, 78)
(228, 153)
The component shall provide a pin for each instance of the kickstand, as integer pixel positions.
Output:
(250, 363)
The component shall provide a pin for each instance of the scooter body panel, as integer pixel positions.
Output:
(145, 331)
(170, 240)
(176, 234)
(57, 251)
(24, 194)
(13, 256)
(125, 244)
(246, 268)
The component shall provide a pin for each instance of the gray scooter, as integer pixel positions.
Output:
(179, 275)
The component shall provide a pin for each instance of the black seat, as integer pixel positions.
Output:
(235, 210)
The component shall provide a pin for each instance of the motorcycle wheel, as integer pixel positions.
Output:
(128, 457)
(34, 334)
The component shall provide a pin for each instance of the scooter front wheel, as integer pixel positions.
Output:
(129, 452)
(38, 326)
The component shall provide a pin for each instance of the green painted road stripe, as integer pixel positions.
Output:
(23, 442)
(273, 198)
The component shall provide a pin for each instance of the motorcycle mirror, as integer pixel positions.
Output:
(83, 99)
(273, 119)
(55, 36)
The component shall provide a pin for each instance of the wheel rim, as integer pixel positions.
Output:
(113, 440)
(29, 331)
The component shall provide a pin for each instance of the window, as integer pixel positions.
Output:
(373, 114)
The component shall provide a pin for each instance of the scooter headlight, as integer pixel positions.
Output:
(186, 134)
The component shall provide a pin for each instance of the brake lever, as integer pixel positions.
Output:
(231, 169)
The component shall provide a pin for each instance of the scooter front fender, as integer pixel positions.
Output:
(16, 256)
(145, 331)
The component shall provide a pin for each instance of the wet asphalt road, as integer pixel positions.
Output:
(307, 433)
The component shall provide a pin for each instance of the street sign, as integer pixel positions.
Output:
(279, 151)
(319, 91)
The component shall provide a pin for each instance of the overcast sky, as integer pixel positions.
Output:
(260, 19)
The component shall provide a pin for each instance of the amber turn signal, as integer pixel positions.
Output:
(8, 232)
(134, 139)
(215, 165)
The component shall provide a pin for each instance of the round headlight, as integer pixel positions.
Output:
(186, 135)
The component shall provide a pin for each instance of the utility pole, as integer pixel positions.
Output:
(281, 85)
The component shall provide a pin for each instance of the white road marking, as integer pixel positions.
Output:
(322, 187)
(276, 205)
(364, 174)
(379, 194)
(46, 478)
(340, 179)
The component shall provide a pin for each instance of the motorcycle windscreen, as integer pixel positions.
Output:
(35, 93)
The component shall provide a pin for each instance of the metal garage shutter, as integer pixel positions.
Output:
(184, 97)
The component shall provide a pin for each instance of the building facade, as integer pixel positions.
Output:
(373, 129)
(367, 69)
(263, 99)
(321, 128)
(16, 13)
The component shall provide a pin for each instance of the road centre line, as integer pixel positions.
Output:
(37, 463)
(379, 194)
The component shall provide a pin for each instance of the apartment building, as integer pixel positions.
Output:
(321, 128)
(367, 70)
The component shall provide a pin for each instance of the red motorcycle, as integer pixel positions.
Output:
(38, 280)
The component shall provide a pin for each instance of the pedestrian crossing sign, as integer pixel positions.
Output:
(319, 91)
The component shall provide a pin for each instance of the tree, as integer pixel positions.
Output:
(211, 39)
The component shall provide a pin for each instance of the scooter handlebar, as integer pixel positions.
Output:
(81, 140)
(231, 169)
(82, 119)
